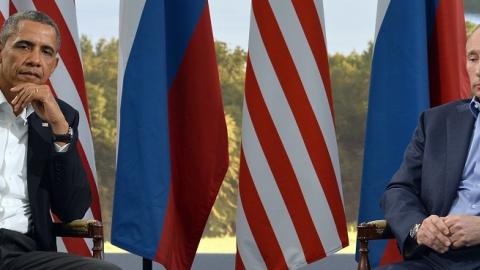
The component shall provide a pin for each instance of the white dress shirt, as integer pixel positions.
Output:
(14, 203)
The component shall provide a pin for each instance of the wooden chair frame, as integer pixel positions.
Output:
(84, 229)
(373, 230)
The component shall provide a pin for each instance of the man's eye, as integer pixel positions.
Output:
(473, 58)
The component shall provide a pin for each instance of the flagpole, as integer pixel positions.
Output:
(147, 264)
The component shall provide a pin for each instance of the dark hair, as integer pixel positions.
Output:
(10, 26)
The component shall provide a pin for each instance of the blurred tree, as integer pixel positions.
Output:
(469, 26)
(472, 6)
(100, 70)
(231, 67)
(221, 221)
(350, 75)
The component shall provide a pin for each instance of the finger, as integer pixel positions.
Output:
(445, 241)
(440, 248)
(16, 89)
(27, 100)
(425, 236)
(458, 238)
(429, 240)
(450, 221)
(439, 245)
(435, 235)
(455, 237)
(22, 97)
(440, 225)
(18, 99)
(458, 244)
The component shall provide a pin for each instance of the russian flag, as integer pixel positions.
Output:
(172, 138)
(419, 61)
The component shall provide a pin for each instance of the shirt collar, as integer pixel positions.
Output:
(24, 114)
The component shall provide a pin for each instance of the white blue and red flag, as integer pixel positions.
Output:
(172, 140)
(68, 84)
(419, 61)
(290, 207)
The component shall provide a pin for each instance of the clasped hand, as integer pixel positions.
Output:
(442, 233)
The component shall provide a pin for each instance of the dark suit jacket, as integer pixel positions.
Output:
(428, 178)
(55, 181)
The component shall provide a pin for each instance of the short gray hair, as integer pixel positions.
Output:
(10, 26)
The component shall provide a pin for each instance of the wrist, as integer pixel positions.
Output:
(62, 139)
(59, 126)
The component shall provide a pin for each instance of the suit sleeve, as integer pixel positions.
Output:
(69, 186)
(401, 201)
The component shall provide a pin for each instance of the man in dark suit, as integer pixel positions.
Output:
(40, 169)
(433, 201)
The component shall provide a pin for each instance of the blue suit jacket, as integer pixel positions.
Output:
(427, 181)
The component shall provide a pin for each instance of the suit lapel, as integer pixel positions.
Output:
(39, 147)
(459, 133)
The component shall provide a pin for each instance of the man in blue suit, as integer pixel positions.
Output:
(432, 203)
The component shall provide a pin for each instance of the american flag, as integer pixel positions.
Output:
(67, 82)
(290, 208)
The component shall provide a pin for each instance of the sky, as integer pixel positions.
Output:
(350, 24)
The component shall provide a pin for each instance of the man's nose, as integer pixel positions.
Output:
(34, 57)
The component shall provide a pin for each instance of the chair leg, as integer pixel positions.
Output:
(363, 263)
(97, 249)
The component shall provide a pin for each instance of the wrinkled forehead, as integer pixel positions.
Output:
(34, 32)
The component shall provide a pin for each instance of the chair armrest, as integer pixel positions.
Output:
(84, 229)
(373, 230)
(76, 228)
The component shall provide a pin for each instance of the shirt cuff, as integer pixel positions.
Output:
(61, 149)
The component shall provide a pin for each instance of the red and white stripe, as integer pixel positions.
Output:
(68, 84)
(290, 208)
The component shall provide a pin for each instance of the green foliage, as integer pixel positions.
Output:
(231, 68)
(469, 26)
(350, 75)
(472, 6)
(221, 221)
(100, 70)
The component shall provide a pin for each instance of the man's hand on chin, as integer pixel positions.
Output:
(43, 102)
(464, 230)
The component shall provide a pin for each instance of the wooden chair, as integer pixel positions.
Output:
(373, 230)
(84, 229)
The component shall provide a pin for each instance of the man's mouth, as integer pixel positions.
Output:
(30, 74)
